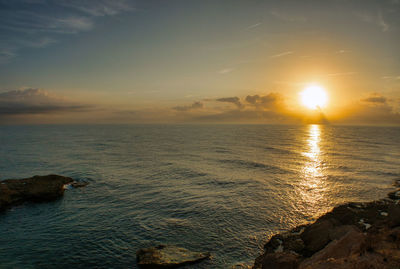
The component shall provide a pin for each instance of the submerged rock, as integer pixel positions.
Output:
(164, 256)
(80, 184)
(33, 189)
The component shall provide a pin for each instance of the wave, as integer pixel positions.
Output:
(278, 150)
(257, 165)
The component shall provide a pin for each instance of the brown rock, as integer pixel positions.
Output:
(283, 260)
(395, 195)
(316, 236)
(288, 241)
(344, 214)
(33, 189)
(353, 243)
(340, 231)
(393, 215)
(164, 256)
(294, 243)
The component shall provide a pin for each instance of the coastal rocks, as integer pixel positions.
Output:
(33, 189)
(395, 195)
(316, 236)
(353, 235)
(164, 256)
(283, 260)
(351, 244)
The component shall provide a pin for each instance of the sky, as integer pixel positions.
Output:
(236, 61)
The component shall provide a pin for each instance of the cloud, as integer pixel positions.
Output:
(225, 71)
(35, 101)
(99, 7)
(374, 19)
(71, 25)
(381, 22)
(375, 109)
(269, 101)
(287, 17)
(281, 54)
(254, 109)
(234, 100)
(391, 77)
(38, 24)
(375, 98)
(254, 25)
(341, 74)
(6, 54)
(195, 105)
(272, 108)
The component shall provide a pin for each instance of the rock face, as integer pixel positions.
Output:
(163, 256)
(354, 235)
(33, 189)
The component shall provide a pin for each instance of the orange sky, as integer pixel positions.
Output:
(207, 62)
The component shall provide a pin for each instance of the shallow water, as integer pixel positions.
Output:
(217, 188)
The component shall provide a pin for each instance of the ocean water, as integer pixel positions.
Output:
(217, 188)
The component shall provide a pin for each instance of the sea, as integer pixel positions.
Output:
(223, 189)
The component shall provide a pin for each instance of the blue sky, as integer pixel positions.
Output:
(138, 61)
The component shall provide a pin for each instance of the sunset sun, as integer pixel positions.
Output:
(314, 96)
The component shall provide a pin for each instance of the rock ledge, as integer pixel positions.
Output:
(33, 189)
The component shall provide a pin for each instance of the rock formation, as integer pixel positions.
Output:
(164, 256)
(353, 235)
(33, 189)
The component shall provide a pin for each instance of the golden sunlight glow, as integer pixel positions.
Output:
(314, 96)
(313, 186)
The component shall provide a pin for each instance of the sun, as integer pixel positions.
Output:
(314, 96)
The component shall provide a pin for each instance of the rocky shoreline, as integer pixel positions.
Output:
(34, 189)
(353, 235)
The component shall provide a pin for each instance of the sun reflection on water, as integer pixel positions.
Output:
(313, 166)
(313, 185)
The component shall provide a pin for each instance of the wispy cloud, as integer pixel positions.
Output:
(225, 71)
(101, 8)
(290, 83)
(376, 19)
(254, 25)
(381, 22)
(38, 24)
(391, 77)
(341, 74)
(287, 17)
(281, 54)
(6, 54)
(342, 51)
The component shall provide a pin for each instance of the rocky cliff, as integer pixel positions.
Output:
(353, 235)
